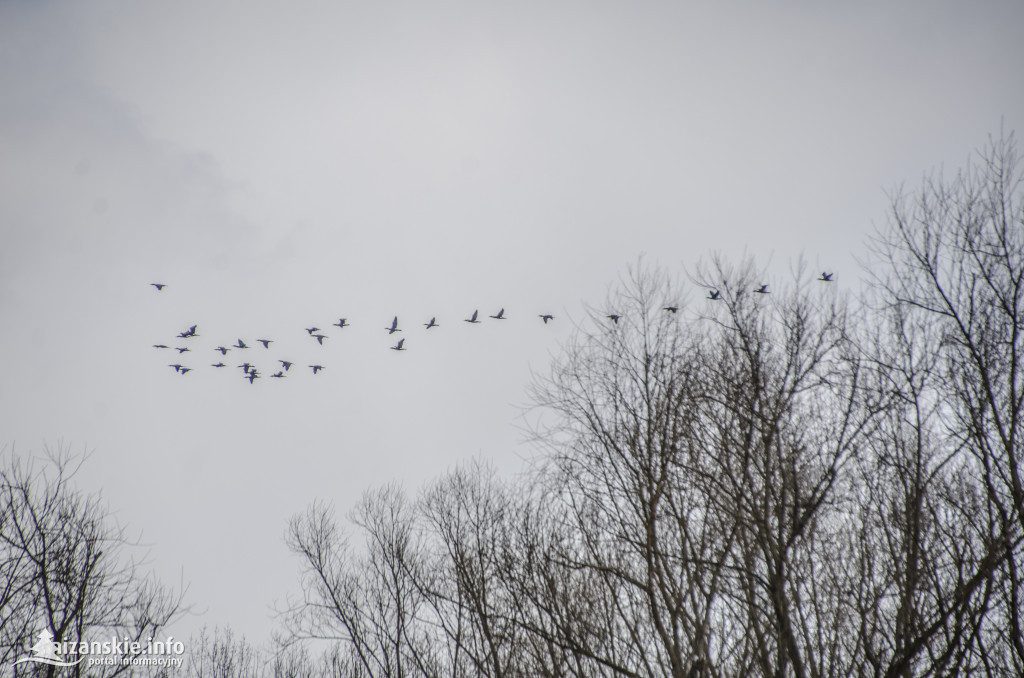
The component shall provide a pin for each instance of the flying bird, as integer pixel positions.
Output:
(500, 315)
(160, 346)
(826, 277)
(159, 286)
(251, 376)
(320, 338)
(217, 365)
(277, 375)
(223, 350)
(266, 342)
(614, 318)
(473, 319)
(317, 368)
(284, 363)
(763, 289)
(311, 330)
(177, 368)
(400, 346)
(394, 326)
(671, 309)
(190, 332)
(432, 323)
(341, 323)
(246, 367)
(184, 370)
(714, 295)
(546, 317)
(181, 349)
(241, 344)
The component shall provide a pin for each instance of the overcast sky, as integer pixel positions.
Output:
(280, 165)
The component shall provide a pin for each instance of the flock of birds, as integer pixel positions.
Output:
(251, 373)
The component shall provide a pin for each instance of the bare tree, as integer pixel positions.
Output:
(221, 654)
(768, 482)
(369, 601)
(68, 567)
(949, 277)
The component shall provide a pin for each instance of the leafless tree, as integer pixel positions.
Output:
(769, 482)
(368, 600)
(222, 654)
(949, 280)
(68, 567)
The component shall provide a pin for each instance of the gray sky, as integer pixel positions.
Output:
(284, 164)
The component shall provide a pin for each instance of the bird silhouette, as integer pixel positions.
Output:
(763, 289)
(473, 319)
(251, 376)
(241, 344)
(341, 323)
(160, 346)
(394, 326)
(546, 317)
(432, 323)
(190, 332)
(277, 375)
(217, 365)
(284, 363)
(317, 368)
(400, 346)
(181, 349)
(671, 309)
(311, 330)
(320, 338)
(177, 368)
(184, 370)
(614, 318)
(245, 367)
(266, 342)
(159, 286)
(500, 315)
(714, 295)
(222, 349)
(826, 277)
